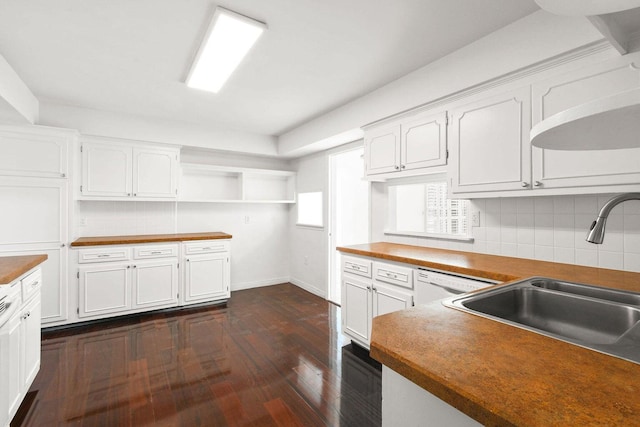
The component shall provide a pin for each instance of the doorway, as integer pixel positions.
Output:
(348, 210)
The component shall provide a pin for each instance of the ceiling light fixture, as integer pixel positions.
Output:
(227, 41)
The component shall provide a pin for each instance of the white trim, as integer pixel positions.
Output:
(310, 226)
(258, 283)
(429, 235)
(308, 287)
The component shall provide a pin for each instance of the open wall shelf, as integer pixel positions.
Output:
(222, 184)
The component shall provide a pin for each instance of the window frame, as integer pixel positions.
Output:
(321, 207)
(425, 179)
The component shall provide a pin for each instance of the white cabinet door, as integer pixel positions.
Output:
(424, 141)
(14, 385)
(106, 169)
(31, 152)
(387, 300)
(155, 173)
(104, 289)
(382, 150)
(206, 277)
(31, 341)
(357, 309)
(155, 284)
(558, 168)
(490, 148)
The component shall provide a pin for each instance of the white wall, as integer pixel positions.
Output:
(549, 228)
(308, 243)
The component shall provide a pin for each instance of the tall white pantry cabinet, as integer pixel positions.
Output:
(34, 189)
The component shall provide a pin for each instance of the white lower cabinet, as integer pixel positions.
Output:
(365, 297)
(20, 345)
(155, 284)
(206, 271)
(121, 279)
(104, 289)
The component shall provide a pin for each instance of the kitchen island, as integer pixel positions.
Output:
(495, 373)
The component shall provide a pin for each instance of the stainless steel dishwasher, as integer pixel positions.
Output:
(431, 285)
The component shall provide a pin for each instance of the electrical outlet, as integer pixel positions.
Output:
(247, 219)
(475, 219)
(83, 222)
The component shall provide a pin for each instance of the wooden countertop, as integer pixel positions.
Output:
(148, 238)
(12, 267)
(498, 374)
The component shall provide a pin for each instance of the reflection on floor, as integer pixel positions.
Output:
(272, 356)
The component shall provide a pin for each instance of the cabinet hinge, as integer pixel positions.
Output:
(178, 264)
(227, 259)
(81, 148)
(78, 274)
(78, 310)
(446, 119)
(81, 188)
(447, 154)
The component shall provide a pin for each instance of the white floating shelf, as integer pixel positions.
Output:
(222, 184)
(604, 124)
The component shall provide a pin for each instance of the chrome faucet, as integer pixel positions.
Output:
(596, 232)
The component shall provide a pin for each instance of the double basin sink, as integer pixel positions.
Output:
(601, 319)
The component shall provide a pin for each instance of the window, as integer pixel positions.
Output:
(424, 208)
(310, 209)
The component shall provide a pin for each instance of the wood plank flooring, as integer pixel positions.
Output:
(274, 356)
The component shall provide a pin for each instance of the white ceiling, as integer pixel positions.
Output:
(131, 56)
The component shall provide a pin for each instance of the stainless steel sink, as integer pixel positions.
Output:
(597, 318)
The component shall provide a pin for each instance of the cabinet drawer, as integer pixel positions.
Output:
(394, 274)
(163, 251)
(31, 284)
(206, 247)
(103, 255)
(361, 267)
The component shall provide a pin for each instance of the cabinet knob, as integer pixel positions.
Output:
(397, 167)
(525, 184)
(128, 194)
(537, 183)
(403, 166)
(63, 245)
(369, 288)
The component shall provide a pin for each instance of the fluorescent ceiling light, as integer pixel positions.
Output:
(228, 40)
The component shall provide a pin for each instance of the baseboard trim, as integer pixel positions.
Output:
(258, 284)
(307, 287)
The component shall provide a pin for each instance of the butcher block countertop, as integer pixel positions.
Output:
(12, 267)
(148, 238)
(499, 374)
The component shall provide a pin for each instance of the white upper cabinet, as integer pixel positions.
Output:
(111, 169)
(409, 144)
(155, 173)
(558, 168)
(423, 141)
(107, 170)
(34, 151)
(490, 149)
(382, 150)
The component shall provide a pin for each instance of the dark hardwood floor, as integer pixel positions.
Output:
(273, 356)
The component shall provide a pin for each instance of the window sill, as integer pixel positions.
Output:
(430, 235)
(311, 227)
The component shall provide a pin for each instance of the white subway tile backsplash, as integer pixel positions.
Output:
(564, 255)
(613, 260)
(632, 262)
(588, 257)
(526, 251)
(509, 249)
(554, 228)
(563, 205)
(543, 205)
(543, 253)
